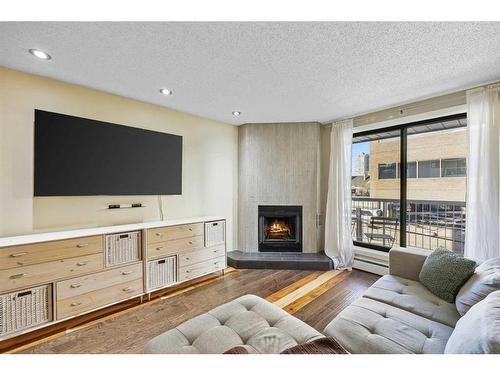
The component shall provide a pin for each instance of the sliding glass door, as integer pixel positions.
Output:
(376, 198)
(420, 167)
(435, 207)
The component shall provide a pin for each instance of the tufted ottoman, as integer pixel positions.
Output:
(248, 321)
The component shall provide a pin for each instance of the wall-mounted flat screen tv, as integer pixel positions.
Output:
(76, 156)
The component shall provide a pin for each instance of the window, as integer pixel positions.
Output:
(423, 209)
(411, 169)
(386, 171)
(429, 169)
(371, 179)
(453, 167)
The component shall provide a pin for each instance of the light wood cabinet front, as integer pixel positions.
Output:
(74, 269)
(85, 284)
(199, 269)
(98, 298)
(162, 234)
(166, 248)
(47, 272)
(197, 256)
(26, 255)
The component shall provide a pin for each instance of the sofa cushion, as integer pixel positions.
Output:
(478, 331)
(444, 273)
(413, 297)
(249, 321)
(370, 326)
(486, 279)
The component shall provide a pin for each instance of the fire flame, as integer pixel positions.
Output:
(278, 226)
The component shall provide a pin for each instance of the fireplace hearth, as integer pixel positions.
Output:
(280, 228)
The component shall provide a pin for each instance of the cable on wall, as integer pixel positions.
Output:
(160, 206)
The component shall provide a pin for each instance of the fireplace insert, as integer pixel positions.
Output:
(280, 228)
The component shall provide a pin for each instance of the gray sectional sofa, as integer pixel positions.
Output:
(397, 314)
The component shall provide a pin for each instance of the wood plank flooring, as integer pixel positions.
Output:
(312, 296)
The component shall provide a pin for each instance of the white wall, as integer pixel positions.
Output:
(210, 179)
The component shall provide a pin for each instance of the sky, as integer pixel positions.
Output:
(358, 148)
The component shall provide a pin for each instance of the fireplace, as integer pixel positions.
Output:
(280, 228)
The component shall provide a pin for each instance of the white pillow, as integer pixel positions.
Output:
(478, 331)
(486, 279)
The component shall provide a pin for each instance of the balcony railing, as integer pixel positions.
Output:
(429, 224)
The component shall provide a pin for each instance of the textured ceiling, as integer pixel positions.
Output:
(272, 72)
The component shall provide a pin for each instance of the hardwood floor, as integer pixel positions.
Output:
(312, 296)
(323, 309)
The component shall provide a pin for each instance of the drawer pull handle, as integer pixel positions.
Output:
(17, 255)
(158, 234)
(190, 242)
(82, 245)
(129, 289)
(191, 229)
(74, 286)
(74, 304)
(124, 273)
(159, 248)
(18, 276)
(81, 264)
(187, 258)
(187, 271)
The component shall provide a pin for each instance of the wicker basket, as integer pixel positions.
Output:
(215, 233)
(25, 309)
(162, 272)
(123, 248)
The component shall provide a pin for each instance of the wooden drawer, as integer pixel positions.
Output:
(199, 269)
(106, 296)
(192, 257)
(162, 234)
(25, 255)
(175, 246)
(46, 272)
(85, 284)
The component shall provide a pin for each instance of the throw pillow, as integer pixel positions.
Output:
(444, 273)
(478, 331)
(486, 279)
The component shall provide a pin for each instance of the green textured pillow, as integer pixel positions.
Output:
(444, 273)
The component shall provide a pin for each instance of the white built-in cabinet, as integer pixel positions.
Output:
(67, 274)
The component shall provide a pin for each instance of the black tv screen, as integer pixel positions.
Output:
(77, 156)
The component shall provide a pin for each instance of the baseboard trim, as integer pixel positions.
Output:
(370, 267)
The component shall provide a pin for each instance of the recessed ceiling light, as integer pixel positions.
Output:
(236, 113)
(166, 92)
(40, 54)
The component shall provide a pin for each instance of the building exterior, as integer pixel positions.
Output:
(361, 164)
(436, 167)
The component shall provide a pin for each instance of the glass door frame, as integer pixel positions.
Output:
(403, 138)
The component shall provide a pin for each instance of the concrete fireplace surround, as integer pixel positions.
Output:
(279, 164)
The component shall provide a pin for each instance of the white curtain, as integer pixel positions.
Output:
(338, 241)
(482, 235)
